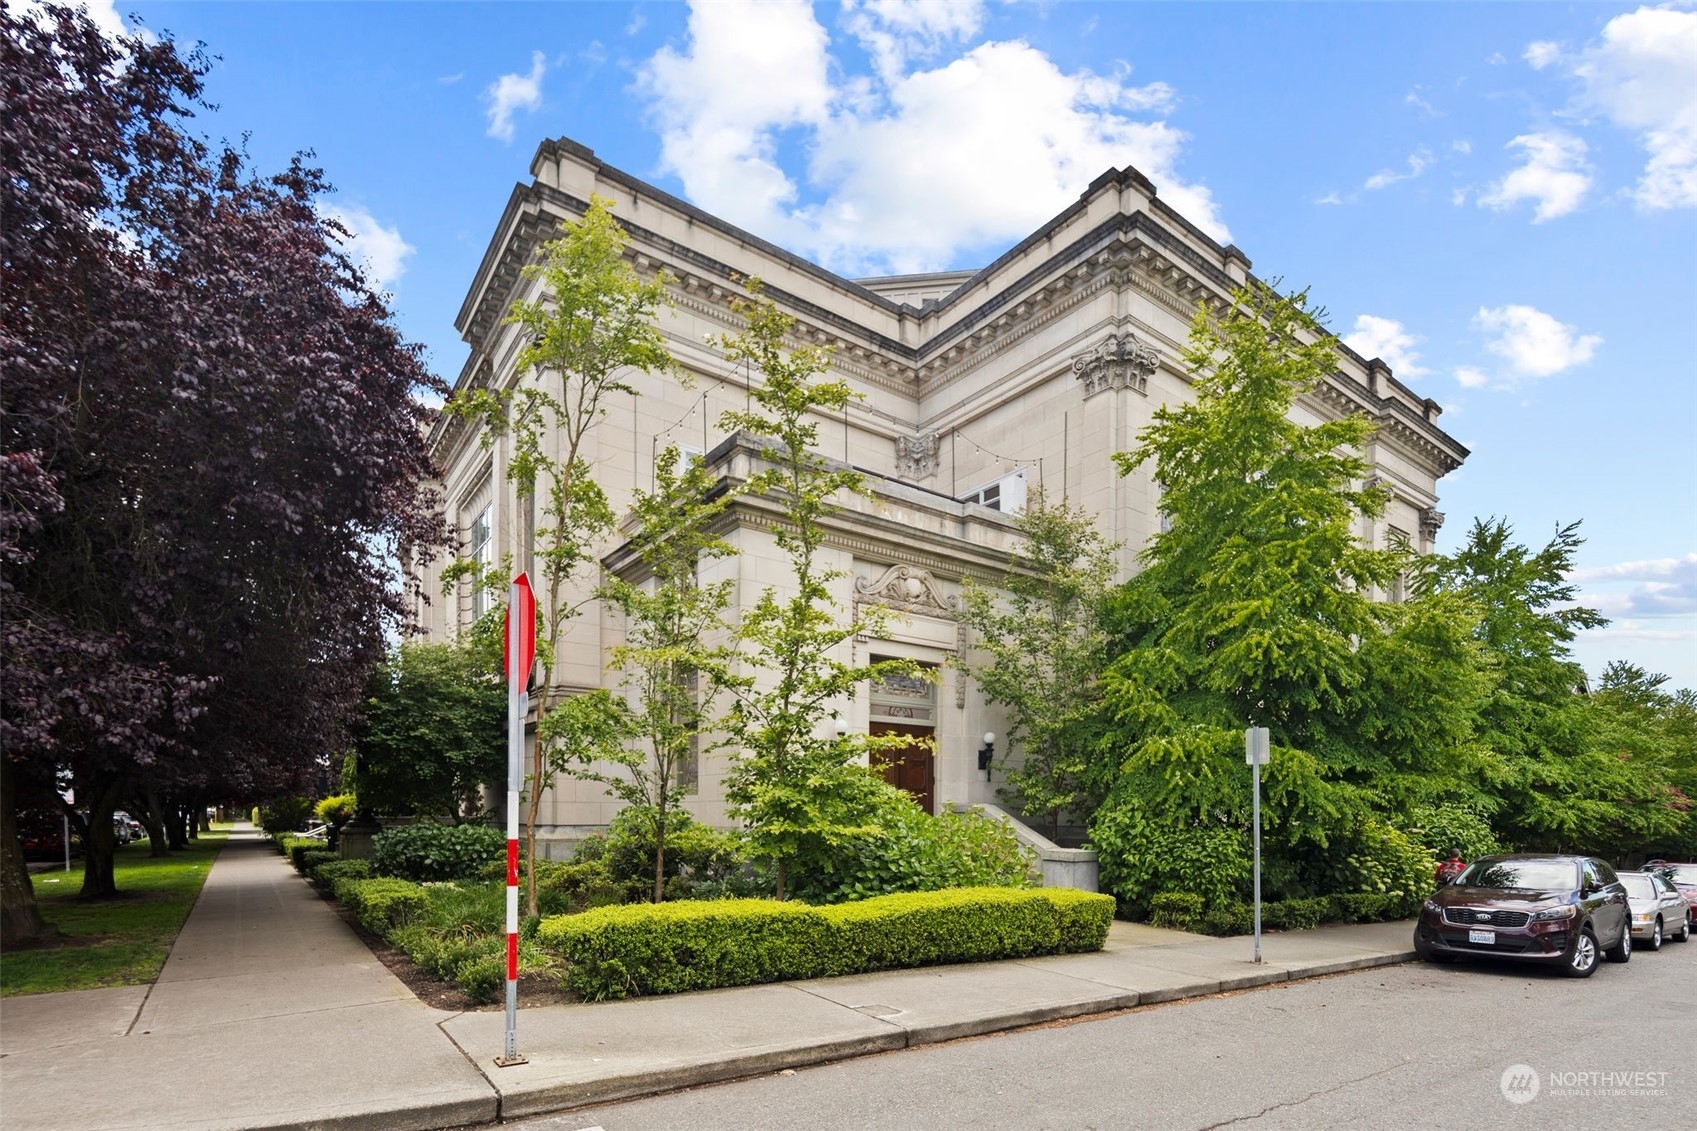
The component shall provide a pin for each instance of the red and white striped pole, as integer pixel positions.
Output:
(520, 654)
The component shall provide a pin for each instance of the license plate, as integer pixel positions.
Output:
(1487, 938)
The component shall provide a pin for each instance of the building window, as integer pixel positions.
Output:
(1006, 494)
(481, 551)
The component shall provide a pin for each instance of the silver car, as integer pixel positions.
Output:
(1656, 905)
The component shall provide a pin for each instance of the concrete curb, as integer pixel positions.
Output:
(545, 1100)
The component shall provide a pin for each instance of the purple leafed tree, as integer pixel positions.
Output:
(213, 450)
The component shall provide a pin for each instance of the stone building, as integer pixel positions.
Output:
(977, 386)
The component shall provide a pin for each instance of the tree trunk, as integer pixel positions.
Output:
(153, 819)
(783, 869)
(99, 843)
(176, 832)
(20, 919)
(660, 860)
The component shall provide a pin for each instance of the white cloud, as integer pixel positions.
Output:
(1541, 54)
(1461, 147)
(1415, 99)
(1643, 77)
(1496, 58)
(1386, 339)
(894, 32)
(379, 251)
(1533, 343)
(941, 149)
(511, 93)
(1555, 175)
(102, 13)
(1470, 378)
(1330, 198)
(1649, 569)
(1418, 162)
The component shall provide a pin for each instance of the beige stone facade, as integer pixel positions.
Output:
(976, 388)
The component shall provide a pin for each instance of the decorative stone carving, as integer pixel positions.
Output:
(1431, 521)
(1121, 362)
(916, 456)
(907, 589)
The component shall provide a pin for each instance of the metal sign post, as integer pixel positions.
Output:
(519, 654)
(1257, 742)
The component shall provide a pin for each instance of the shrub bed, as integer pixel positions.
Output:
(1184, 911)
(384, 905)
(672, 947)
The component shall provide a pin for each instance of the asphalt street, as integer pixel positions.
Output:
(1394, 1047)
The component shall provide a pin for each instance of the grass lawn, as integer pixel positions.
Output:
(115, 942)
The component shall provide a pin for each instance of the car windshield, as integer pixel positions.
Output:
(1685, 874)
(1639, 887)
(1538, 875)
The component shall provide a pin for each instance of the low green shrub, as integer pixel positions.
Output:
(330, 875)
(1294, 914)
(384, 904)
(1143, 856)
(907, 850)
(1179, 910)
(1359, 907)
(311, 858)
(428, 851)
(583, 886)
(294, 847)
(695, 853)
(697, 945)
(1228, 918)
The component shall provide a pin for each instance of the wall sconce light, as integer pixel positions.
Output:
(987, 752)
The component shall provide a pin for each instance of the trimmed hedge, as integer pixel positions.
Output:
(383, 905)
(700, 945)
(331, 875)
(1184, 911)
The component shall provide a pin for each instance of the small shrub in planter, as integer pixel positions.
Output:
(1293, 914)
(1228, 918)
(426, 852)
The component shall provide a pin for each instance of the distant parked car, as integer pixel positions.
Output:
(1683, 877)
(1555, 909)
(43, 835)
(1658, 910)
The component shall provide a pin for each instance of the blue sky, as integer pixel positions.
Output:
(1500, 200)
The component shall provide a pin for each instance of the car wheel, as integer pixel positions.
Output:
(1684, 932)
(1621, 951)
(1655, 942)
(1582, 963)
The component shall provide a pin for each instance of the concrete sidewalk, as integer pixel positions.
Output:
(271, 1013)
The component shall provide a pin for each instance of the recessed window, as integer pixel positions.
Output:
(1006, 494)
(481, 551)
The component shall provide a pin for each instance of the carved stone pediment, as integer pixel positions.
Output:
(907, 589)
(916, 456)
(1121, 362)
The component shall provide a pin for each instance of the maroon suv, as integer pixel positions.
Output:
(1556, 909)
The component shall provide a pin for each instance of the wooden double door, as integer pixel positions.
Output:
(912, 767)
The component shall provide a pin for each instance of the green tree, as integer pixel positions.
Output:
(435, 730)
(675, 659)
(593, 322)
(798, 790)
(1043, 635)
(1250, 610)
(1572, 771)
